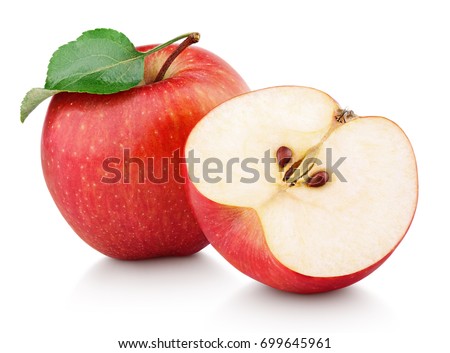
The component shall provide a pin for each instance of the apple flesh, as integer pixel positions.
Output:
(310, 227)
(87, 139)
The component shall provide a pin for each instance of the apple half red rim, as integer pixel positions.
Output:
(309, 231)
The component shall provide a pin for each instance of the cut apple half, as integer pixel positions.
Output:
(320, 197)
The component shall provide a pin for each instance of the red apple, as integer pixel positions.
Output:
(104, 157)
(303, 196)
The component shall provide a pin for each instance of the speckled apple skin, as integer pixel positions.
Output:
(133, 220)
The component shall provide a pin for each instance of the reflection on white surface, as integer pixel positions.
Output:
(260, 309)
(205, 294)
(174, 283)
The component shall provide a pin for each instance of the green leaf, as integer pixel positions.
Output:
(100, 61)
(32, 99)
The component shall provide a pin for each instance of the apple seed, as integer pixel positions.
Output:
(318, 179)
(284, 156)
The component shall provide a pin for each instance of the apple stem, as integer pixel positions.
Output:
(190, 39)
(344, 115)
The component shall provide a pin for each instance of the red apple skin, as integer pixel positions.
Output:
(133, 220)
(237, 234)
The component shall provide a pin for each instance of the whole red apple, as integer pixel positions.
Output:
(106, 162)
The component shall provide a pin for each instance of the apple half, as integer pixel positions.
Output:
(298, 193)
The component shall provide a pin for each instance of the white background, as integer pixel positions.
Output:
(386, 58)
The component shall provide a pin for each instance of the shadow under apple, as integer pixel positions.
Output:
(221, 301)
(173, 283)
(256, 308)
